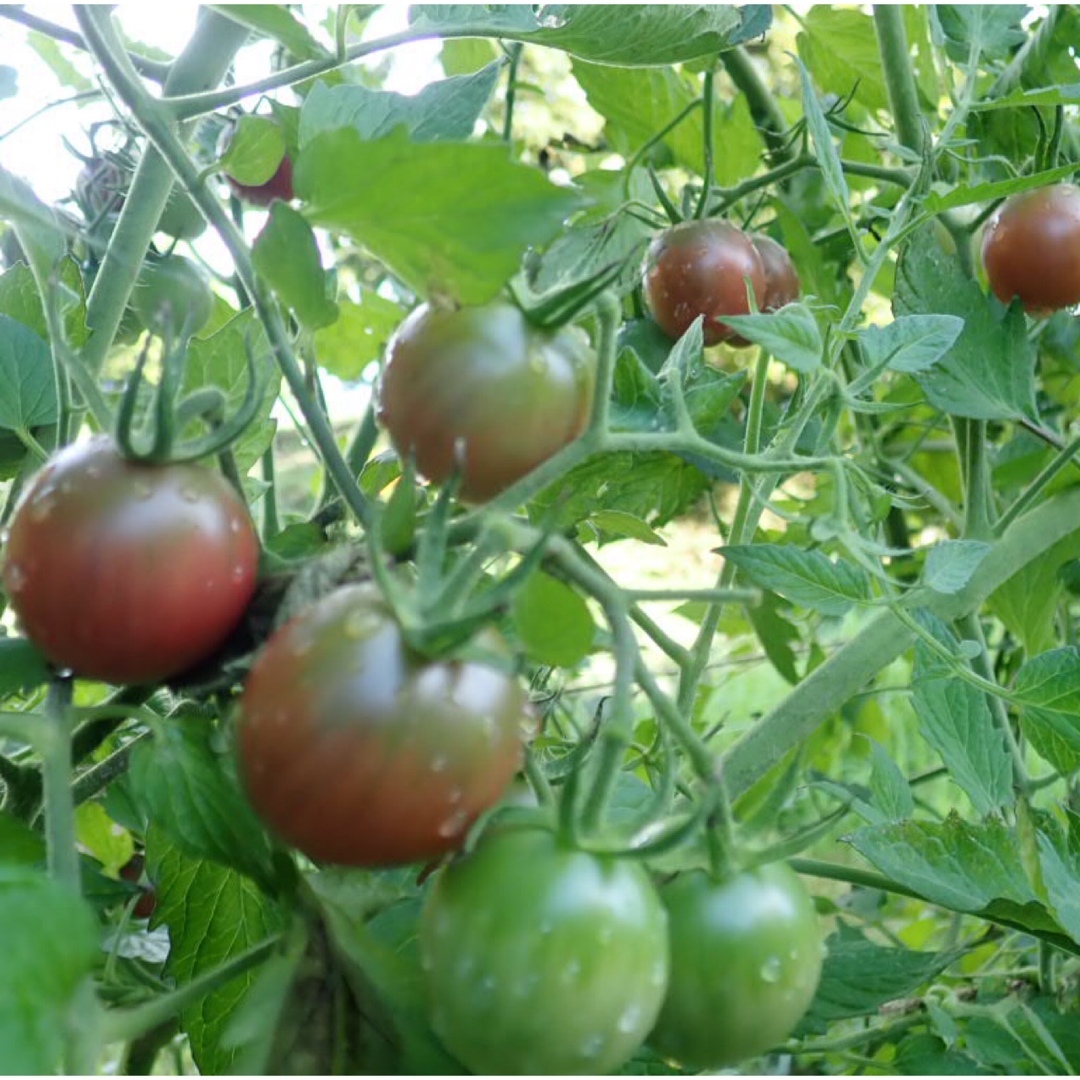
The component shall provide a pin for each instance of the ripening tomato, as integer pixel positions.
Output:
(745, 963)
(510, 393)
(781, 277)
(701, 268)
(542, 959)
(126, 572)
(1031, 249)
(356, 750)
(279, 186)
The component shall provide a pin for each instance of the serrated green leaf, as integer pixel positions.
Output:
(617, 523)
(256, 147)
(27, 385)
(446, 109)
(286, 255)
(213, 915)
(956, 720)
(449, 219)
(552, 621)
(358, 336)
(109, 843)
(951, 564)
(840, 48)
(988, 374)
(22, 667)
(911, 343)
(1048, 689)
(277, 22)
(889, 788)
(790, 334)
(193, 797)
(806, 578)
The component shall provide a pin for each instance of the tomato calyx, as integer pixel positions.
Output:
(172, 414)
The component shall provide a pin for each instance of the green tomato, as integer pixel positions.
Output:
(172, 296)
(181, 218)
(542, 959)
(746, 956)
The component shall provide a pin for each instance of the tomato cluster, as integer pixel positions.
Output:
(1031, 249)
(705, 268)
(541, 958)
(482, 391)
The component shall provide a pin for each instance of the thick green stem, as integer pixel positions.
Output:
(200, 66)
(760, 99)
(1064, 457)
(56, 777)
(899, 78)
(708, 95)
(978, 502)
(885, 637)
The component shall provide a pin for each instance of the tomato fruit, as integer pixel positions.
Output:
(279, 186)
(1031, 249)
(781, 277)
(745, 962)
(542, 959)
(701, 268)
(511, 393)
(125, 572)
(172, 295)
(358, 751)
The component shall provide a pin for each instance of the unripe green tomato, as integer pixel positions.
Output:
(172, 296)
(745, 962)
(181, 218)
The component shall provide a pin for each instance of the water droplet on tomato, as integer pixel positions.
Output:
(239, 573)
(438, 764)
(92, 471)
(592, 1045)
(355, 625)
(235, 525)
(42, 507)
(455, 795)
(5, 535)
(630, 1019)
(453, 824)
(143, 489)
(771, 970)
(281, 717)
(14, 577)
(189, 494)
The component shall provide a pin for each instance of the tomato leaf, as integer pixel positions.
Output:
(806, 578)
(447, 109)
(27, 386)
(22, 667)
(615, 524)
(213, 915)
(275, 21)
(951, 563)
(191, 795)
(111, 845)
(790, 334)
(988, 374)
(840, 48)
(49, 941)
(286, 255)
(552, 621)
(889, 789)
(255, 150)
(955, 719)
(358, 336)
(1048, 687)
(449, 219)
(911, 343)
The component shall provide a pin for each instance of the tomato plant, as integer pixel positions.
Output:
(781, 277)
(125, 572)
(541, 959)
(1031, 249)
(279, 186)
(745, 961)
(701, 268)
(356, 750)
(508, 393)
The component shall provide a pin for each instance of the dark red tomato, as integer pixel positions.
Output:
(745, 961)
(124, 572)
(701, 268)
(541, 959)
(512, 394)
(1031, 249)
(133, 871)
(358, 751)
(781, 277)
(279, 186)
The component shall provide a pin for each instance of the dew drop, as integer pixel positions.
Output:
(189, 494)
(571, 971)
(592, 1045)
(42, 507)
(355, 625)
(487, 984)
(455, 795)
(605, 935)
(438, 764)
(143, 489)
(93, 471)
(14, 577)
(235, 525)
(630, 1020)
(453, 824)
(5, 535)
(239, 573)
(771, 970)
(545, 928)
(465, 967)
(658, 975)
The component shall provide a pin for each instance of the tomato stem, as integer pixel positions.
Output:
(55, 749)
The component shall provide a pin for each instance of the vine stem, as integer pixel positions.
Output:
(708, 100)
(55, 749)
(899, 78)
(107, 48)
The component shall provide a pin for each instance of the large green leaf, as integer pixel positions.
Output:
(449, 219)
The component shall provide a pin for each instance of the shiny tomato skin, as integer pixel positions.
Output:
(541, 959)
(781, 277)
(701, 268)
(513, 394)
(357, 751)
(1031, 249)
(279, 186)
(124, 572)
(745, 961)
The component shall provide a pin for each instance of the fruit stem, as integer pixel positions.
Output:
(708, 98)
(899, 77)
(55, 749)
